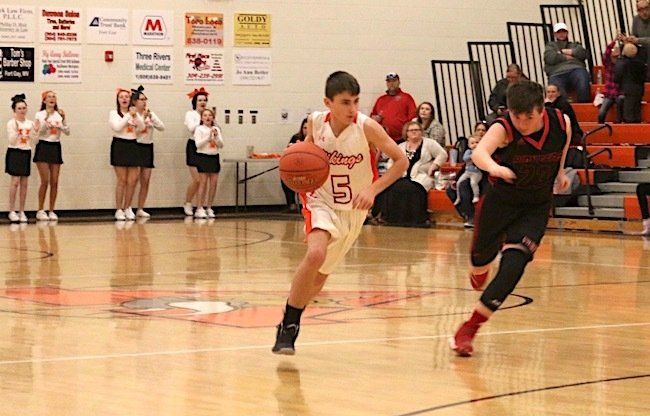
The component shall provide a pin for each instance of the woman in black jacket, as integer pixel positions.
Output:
(555, 99)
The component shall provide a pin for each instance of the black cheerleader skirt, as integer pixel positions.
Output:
(48, 152)
(18, 162)
(190, 153)
(125, 153)
(208, 163)
(146, 155)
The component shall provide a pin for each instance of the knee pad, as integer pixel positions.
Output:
(511, 268)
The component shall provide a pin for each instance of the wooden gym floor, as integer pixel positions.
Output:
(173, 318)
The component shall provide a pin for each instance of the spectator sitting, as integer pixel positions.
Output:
(555, 99)
(564, 63)
(480, 128)
(612, 91)
(641, 31)
(289, 194)
(629, 73)
(393, 109)
(497, 100)
(405, 202)
(431, 128)
(466, 207)
(472, 173)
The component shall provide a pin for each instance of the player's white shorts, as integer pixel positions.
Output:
(343, 226)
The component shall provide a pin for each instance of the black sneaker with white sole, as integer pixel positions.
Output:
(285, 339)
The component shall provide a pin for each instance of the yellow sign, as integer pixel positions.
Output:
(252, 30)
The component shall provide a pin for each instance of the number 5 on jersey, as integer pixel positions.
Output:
(341, 189)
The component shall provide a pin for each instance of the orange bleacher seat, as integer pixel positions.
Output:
(588, 112)
(631, 206)
(638, 134)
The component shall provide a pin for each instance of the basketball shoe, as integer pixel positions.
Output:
(478, 280)
(285, 339)
(462, 340)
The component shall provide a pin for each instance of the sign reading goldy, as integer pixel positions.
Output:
(252, 30)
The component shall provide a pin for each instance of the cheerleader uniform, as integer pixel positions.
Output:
(192, 121)
(145, 138)
(124, 148)
(207, 148)
(19, 151)
(48, 148)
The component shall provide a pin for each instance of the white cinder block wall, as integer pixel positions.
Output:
(310, 39)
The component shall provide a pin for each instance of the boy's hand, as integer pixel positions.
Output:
(364, 199)
(562, 183)
(504, 173)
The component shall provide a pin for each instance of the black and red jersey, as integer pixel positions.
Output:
(535, 159)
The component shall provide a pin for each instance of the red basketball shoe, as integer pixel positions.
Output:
(478, 280)
(462, 341)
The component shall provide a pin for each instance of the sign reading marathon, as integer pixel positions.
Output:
(16, 64)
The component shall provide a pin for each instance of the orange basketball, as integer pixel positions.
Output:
(304, 167)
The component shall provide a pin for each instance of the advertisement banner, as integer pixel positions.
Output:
(16, 64)
(251, 67)
(153, 27)
(203, 67)
(153, 66)
(60, 64)
(204, 29)
(17, 23)
(59, 25)
(107, 26)
(252, 30)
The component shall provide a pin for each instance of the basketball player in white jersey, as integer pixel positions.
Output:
(335, 212)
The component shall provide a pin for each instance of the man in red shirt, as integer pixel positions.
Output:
(394, 109)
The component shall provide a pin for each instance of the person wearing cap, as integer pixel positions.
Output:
(395, 108)
(641, 32)
(564, 63)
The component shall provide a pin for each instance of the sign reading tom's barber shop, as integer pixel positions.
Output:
(16, 64)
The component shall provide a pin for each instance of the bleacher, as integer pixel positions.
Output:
(623, 157)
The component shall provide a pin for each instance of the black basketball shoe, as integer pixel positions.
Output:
(285, 339)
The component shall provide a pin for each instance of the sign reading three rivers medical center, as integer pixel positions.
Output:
(153, 65)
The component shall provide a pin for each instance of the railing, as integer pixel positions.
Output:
(457, 84)
(579, 31)
(493, 58)
(625, 10)
(527, 42)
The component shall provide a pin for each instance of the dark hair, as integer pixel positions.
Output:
(480, 123)
(302, 124)
(425, 125)
(18, 98)
(196, 96)
(524, 97)
(339, 82)
(514, 68)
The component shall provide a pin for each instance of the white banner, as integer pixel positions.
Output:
(107, 26)
(153, 27)
(203, 67)
(17, 24)
(59, 25)
(251, 67)
(60, 64)
(153, 65)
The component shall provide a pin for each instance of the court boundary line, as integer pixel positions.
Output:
(307, 344)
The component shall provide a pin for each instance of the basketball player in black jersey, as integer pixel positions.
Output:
(524, 154)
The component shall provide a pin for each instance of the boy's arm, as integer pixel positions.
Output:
(495, 138)
(563, 181)
(378, 138)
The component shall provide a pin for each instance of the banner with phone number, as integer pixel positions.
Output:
(204, 29)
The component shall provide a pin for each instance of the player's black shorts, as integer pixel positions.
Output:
(507, 216)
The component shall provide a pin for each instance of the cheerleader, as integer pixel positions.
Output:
(19, 153)
(208, 142)
(145, 144)
(125, 153)
(47, 155)
(192, 120)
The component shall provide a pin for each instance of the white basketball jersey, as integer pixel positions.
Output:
(352, 167)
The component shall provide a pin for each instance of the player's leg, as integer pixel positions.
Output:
(306, 278)
(522, 239)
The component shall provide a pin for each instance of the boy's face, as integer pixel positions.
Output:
(344, 107)
(473, 141)
(527, 123)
